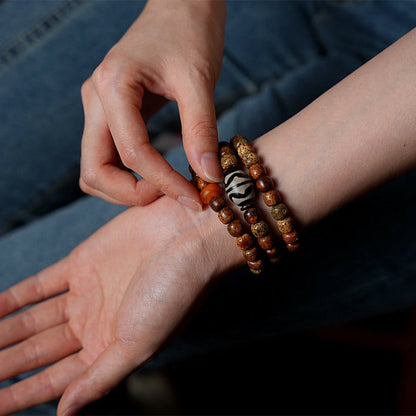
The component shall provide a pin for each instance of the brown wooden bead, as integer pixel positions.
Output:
(286, 226)
(244, 149)
(266, 242)
(256, 265)
(257, 170)
(260, 229)
(264, 184)
(217, 203)
(225, 149)
(251, 254)
(279, 212)
(228, 161)
(291, 238)
(211, 190)
(252, 215)
(237, 140)
(200, 183)
(226, 215)
(273, 255)
(250, 159)
(244, 242)
(293, 247)
(235, 228)
(271, 198)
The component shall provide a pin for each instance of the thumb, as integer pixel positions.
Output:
(199, 131)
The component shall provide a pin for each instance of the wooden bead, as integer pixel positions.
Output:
(256, 265)
(228, 161)
(286, 226)
(293, 247)
(266, 242)
(256, 271)
(279, 212)
(237, 140)
(271, 198)
(260, 229)
(273, 255)
(251, 254)
(244, 242)
(235, 228)
(291, 238)
(252, 215)
(244, 149)
(211, 190)
(217, 203)
(256, 171)
(250, 159)
(226, 215)
(239, 189)
(225, 149)
(200, 183)
(264, 184)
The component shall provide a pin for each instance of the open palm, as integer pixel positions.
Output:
(106, 308)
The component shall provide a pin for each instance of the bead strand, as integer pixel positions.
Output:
(271, 197)
(241, 191)
(212, 194)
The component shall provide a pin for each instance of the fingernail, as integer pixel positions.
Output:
(190, 203)
(211, 167)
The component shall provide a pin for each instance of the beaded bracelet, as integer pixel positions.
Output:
(271, 197)
(240, 190)
(212, 194)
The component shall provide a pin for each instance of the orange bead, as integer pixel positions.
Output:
(211, 190)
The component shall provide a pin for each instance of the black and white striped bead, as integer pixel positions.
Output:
(239, 189)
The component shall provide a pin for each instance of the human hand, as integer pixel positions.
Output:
(106, 308)
(172, 52)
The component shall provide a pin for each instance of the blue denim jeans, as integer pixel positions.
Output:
(279, 56)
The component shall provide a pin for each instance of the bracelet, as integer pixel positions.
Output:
(213, 195)
(271, 197)
(240, 190)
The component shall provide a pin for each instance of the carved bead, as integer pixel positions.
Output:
(257, 170)
(239, 189)
(200, 183)
(286, 226)
(260, 229)
(251, 254)
(237, 140)
(266, 242)
(228, 161)
(256, 265)
(279, 212)
(226, 215)
(271, 198)
(264, 184)
(244, 149)
(235, 228)
(211, 190)
(244, 242)
(217, 203)
(250, 159)
(252, 215)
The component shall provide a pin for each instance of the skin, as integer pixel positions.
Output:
(120, 298)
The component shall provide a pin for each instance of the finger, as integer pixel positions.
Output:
(40, 350)
(199, 130)
(32, 321)
(42, 285)
(110, 368)
(42, 387)
(122, 105)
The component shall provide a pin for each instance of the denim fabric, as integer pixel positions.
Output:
(279, 56)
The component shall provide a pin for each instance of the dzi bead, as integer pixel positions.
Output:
(239, 189)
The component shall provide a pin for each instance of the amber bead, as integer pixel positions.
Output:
(257, 170)
(200, 183)
(266, 242)
(264, 184)
(279, 212)
(271, 198)
(255, 265)
(245, 241)
(237, 140)
(235, 228)
(228, 161)
(286, 226)
(252, 215)
(225, 149)
(260, 229)
(226, 215)
(217, 203)
(251, 254)
(250, 159)
(291, 238)
(244, 149)
(293, 247)
(211, 190)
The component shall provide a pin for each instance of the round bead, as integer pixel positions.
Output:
(226, 215)
(252, 215)
(293, 247)
(211, 190)
(251, 254)
(237, 140)
(266, 242)
(260, 229)
(273, 255)
(244, 242)
(256, 265)
(228, 161)
(225, 149)
(286, 226)
(200, 183)
(271, 198)
(244, 149)
(235, 228)
(257, 170)
(250, 159)
(239, 189)
(279, 212)
(264, 184)
(291, 238)
(256, 271)
(217, 203)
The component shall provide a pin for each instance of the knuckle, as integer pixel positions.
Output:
(128, 156)
(203, 129)
(88, 179)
